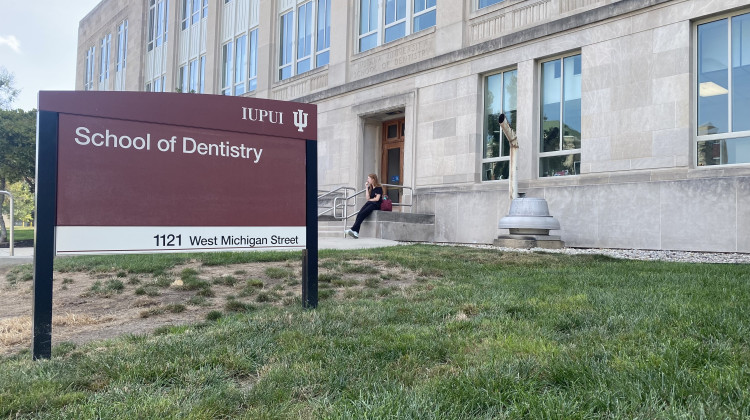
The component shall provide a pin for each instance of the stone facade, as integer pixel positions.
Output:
(639, 185)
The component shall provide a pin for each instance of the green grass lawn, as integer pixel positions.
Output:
(21, 233)
(480, 334)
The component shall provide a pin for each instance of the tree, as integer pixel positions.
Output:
(17, 153)
(23, 202)
(8, 91)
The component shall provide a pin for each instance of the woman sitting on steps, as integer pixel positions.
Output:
(375, 195)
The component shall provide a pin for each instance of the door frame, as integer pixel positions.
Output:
(389, 143)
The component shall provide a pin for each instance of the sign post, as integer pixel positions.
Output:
(134, 172)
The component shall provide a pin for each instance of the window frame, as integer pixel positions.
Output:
(105, 49)
(539, 138)
(382, 24)
(158, 25)
(229, 85)
(485, 88)
(288, 20)
(122, 46)
(88, 76)
(730, 134)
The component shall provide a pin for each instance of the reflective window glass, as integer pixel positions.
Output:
(485, 3)
(741, 73)
(551, 87)
(499, 98)
(713, 78)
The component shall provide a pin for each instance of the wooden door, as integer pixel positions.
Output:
(392, 166)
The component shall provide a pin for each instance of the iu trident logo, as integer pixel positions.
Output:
(300, 120)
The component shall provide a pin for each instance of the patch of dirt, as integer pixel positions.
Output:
(94, 306)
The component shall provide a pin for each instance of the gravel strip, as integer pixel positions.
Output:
(632, 254)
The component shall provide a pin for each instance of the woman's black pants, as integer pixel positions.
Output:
(368, 208)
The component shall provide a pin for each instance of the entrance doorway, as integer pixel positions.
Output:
(392, 162)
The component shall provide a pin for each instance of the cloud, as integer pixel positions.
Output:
(12, 42)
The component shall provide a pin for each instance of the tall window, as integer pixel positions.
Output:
(499, 97)
(385, 21)
(560, 143)
(305, 37)
(155, 85)
(239, 64)
(723, 135)
(122, 54)
(88, 77)
(104, 65)
(192, 76)
(486, 3)
(191, 12)
(157, 23)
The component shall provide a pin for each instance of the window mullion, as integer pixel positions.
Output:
(562, 101)
(381, 22)
(729, 73)
(295, 39)
(409, 17)
(314, 35)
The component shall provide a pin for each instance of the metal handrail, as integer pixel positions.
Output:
(343, 203)
(10, 246)
(346, 199)
(333, 208)
(403, 187)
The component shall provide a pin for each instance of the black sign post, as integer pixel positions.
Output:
(44, 233)
(310, 258)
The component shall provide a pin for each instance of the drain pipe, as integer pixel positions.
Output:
(513, 170)
(11, 220)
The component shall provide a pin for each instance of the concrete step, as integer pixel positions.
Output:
(397, 226)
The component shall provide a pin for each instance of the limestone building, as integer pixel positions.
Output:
(633, 116)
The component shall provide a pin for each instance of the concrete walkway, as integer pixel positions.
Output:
(26, 255)
(20, 256)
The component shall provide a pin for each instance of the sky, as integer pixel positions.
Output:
(38, 42)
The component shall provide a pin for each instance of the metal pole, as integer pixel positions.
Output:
(44, 233)
(11, 220)
(310, 258)
(513, 140)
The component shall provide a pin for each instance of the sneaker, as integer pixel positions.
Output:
(352, 233)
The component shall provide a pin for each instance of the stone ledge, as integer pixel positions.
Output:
(397, 226)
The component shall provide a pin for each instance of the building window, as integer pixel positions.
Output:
(239, 64)
(499, 97)
(88, 77)
(323, 38)
(156, 85)
(723, 126)
(386, 21)
(191, 12)
(297, 38)
(486, 3)
(122, 54)
(192, 76)
(560, 143)
(104, 65)
(157, 23)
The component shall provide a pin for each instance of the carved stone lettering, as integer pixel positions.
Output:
(393, 58)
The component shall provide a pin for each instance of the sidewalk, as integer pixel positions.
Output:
(20, 256)
(26, 255)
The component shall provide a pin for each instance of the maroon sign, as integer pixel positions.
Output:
(128, 159)
(134, 172)
(124, 173)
